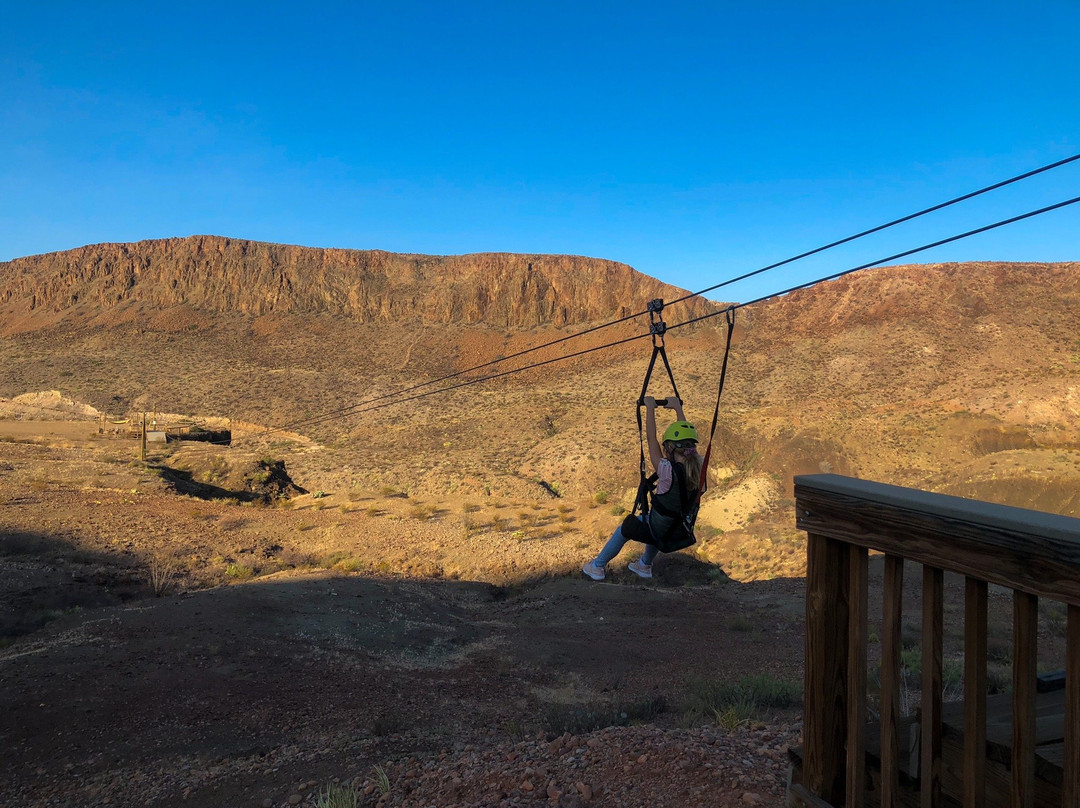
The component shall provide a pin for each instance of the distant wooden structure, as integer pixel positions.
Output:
(1021, 750)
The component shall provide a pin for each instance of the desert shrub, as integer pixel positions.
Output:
(424, 511)
(338, 796)
(749, 697)
(738, 713)
(952, 670)
(386, 724)
(617, 510)
(600, 497)
(382, 780)
(742, 623)
(1055, 618)
(239, 572)
(333, 559)
(581, 718)
(161, 573)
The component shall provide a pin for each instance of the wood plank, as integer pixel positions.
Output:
(825, 691)
(856, 673)
(1014, 547)
(975, 618)
(1025, 673)
(1070, 779)
(892, 613)
(933, 631)
(808, 799)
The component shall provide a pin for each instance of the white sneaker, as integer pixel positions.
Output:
(593, 571)
(639, 569)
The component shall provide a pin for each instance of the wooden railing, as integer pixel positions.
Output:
(1036, 555)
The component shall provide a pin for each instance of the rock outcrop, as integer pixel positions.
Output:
(256, 278)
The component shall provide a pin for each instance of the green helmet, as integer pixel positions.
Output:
(680, 431)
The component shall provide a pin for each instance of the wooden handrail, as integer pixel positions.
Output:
(1035, 554)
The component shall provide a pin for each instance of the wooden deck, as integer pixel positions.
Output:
(1020, 750)
(1049, 754)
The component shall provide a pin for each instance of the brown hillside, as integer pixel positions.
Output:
(417, 622)
(949, 377)
(229, 275)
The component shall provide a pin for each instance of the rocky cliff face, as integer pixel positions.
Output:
(256, 278)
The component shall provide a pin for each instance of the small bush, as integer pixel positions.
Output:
(338, 796)
(749, 697)
(581, 718)
(386, 725)
(382, 780)
(239, 572)
(422, 512)
(162, 573)
(742, 623)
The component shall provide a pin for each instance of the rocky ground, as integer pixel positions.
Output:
(301, 649)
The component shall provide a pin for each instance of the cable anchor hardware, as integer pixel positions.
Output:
(657, 326)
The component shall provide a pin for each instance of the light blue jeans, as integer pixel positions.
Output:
(615, 544)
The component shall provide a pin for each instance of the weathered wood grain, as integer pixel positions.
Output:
(1025, 675)
(975, 619)
(933, 633)
(892, 613)
(1022, 549)
(825, 696)
(856, 686)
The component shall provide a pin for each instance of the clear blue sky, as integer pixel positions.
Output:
(694, 143)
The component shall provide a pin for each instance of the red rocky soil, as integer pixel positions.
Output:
(264, 693)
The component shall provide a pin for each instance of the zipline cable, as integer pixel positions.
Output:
(346, 410)
(881, 227)
(736, 306)
(880, 261)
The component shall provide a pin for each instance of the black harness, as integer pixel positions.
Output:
(681, 532)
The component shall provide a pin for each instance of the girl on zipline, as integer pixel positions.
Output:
(678, 469)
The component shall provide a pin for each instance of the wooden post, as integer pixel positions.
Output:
(144, 437)
(856, 675)
(892, 595)
(975, 693)
(1070, 782)
(825, 695)
(933, 630)
(1025, 676)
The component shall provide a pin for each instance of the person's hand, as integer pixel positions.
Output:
(673, 402)
(650, 403)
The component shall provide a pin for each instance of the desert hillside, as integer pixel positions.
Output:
(957, 378)
(387, 596)
(254, 278)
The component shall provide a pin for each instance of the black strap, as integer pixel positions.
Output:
(657, 328)
(703, 483)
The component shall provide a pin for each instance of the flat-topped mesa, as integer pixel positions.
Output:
(221, 274)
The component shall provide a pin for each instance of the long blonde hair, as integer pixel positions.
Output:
(691, 463)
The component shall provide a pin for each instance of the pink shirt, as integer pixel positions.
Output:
(663, 478)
